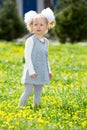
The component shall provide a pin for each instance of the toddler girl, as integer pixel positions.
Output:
(36, 69)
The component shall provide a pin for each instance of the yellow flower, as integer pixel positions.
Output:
(75, 117)
(84, 123)
(11, 127)
(40, 120)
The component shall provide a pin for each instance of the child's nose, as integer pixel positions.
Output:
(38, 26)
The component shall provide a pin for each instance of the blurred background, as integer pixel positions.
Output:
(71, 19)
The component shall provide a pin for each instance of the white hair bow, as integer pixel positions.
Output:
(47, 13)
(29, 16)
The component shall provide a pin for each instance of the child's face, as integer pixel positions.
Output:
(40, 25)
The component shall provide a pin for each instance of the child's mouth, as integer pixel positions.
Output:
(38, 30)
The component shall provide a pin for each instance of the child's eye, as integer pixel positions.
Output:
(35, 24)
(41, 24)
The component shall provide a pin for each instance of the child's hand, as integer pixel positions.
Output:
(50, 75)
(33, 76)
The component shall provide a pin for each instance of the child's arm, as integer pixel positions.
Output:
(50, 72)
(49, 67)
(28, 50)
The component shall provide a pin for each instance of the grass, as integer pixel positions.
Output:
(63, 103)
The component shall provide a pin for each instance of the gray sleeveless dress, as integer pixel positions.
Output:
(39, 58)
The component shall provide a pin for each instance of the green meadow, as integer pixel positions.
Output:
(63, 102)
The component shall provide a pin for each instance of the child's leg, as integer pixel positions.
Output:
(37, 93)
(26, 94)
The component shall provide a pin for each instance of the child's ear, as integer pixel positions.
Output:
(30, 27)
(47, 27)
